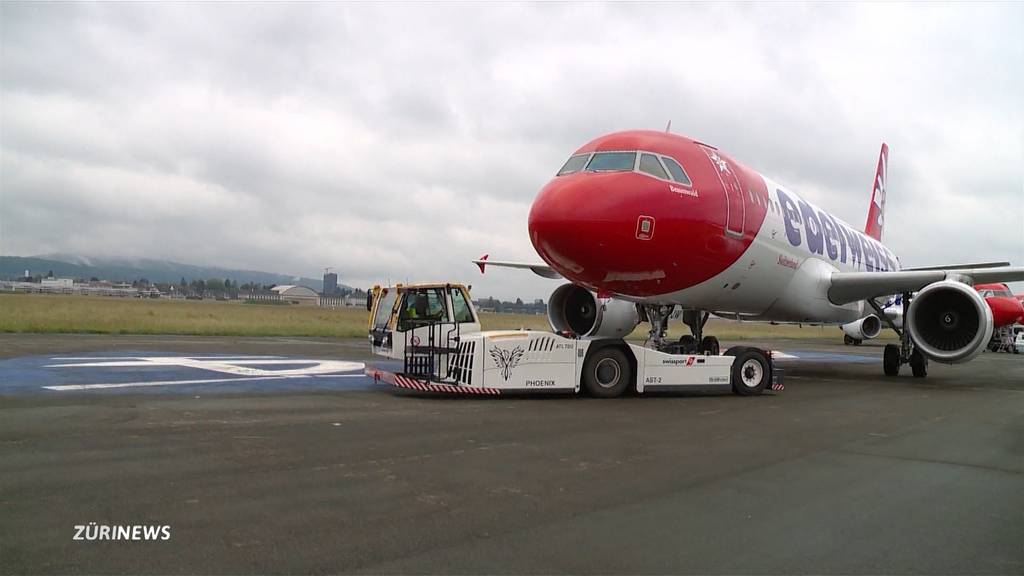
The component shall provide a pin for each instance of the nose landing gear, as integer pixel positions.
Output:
(693, 343)
(706, 345)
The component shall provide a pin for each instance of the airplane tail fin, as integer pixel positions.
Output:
(876, 210)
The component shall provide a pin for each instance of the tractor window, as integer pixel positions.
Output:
(612, 162)
(574, 164)
(460, 307)
(421, 306)
(649, 165)
(678, 174)
(386, 301)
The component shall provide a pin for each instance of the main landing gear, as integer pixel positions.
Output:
(693, 343)
(894, 355)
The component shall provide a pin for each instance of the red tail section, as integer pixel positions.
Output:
(876, 210)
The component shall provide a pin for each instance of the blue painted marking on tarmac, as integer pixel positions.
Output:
(819, 356)
(148, 372)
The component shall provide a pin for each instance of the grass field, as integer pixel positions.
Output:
(46, 313)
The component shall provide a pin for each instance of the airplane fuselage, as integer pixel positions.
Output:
(718, 237)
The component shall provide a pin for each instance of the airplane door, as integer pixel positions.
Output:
(734, 201)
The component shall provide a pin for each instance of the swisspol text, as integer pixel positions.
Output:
(93, 531)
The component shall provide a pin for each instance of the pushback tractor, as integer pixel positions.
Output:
(430, 334)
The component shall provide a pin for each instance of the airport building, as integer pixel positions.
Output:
(297, 295)
(58, 283)
(330, 284)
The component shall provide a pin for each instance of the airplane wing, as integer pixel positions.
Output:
(853, 286)
(958, 266)
(539, 269)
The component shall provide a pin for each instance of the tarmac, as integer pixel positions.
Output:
(316, 469)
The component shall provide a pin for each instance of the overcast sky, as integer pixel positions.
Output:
(399, 141)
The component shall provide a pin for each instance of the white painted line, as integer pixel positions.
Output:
(67, 387)
(113, 364)
(200, 357)
(238, 367)
(154, 362)
(783, 355)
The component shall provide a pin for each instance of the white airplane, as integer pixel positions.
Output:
(640, 222)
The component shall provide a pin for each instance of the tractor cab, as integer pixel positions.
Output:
(403, 318)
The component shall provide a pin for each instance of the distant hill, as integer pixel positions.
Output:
(118, 269)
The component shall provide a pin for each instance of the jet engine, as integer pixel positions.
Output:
(864, 329)
(575, 309)
(949, 322)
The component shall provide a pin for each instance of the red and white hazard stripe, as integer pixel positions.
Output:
(423, 386)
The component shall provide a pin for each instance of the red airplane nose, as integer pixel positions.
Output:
(625, 233)
(577, 225)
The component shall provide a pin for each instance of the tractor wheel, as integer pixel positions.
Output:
(750, 371)
(607, 373)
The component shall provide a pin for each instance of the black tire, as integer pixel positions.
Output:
(891, 360)
(857, 342)
(918, 364)
(607, 373)
(687, 344)
(750, 371)
(709, 346)
(847, 340)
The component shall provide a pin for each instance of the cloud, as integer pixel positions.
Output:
(400, 141)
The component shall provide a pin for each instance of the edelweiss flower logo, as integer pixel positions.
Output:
(507, 359)
(720, 162)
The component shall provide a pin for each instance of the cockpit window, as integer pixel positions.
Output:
(649, 164)
(612, 162)
(574, 164)
(678, 174)
(652, 164)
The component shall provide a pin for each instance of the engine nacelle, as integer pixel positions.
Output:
(949, 322)
(575, 309)
(864, 329)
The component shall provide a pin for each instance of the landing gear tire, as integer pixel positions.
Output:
(607, 373)
(891, 360)
(918, 364)
(709, 346)
(750, 372)
(687, 344)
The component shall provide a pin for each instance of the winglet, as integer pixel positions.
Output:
(482, 262)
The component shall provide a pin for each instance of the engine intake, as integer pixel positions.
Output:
(949, 322)
(866, 328)
(575, 309)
